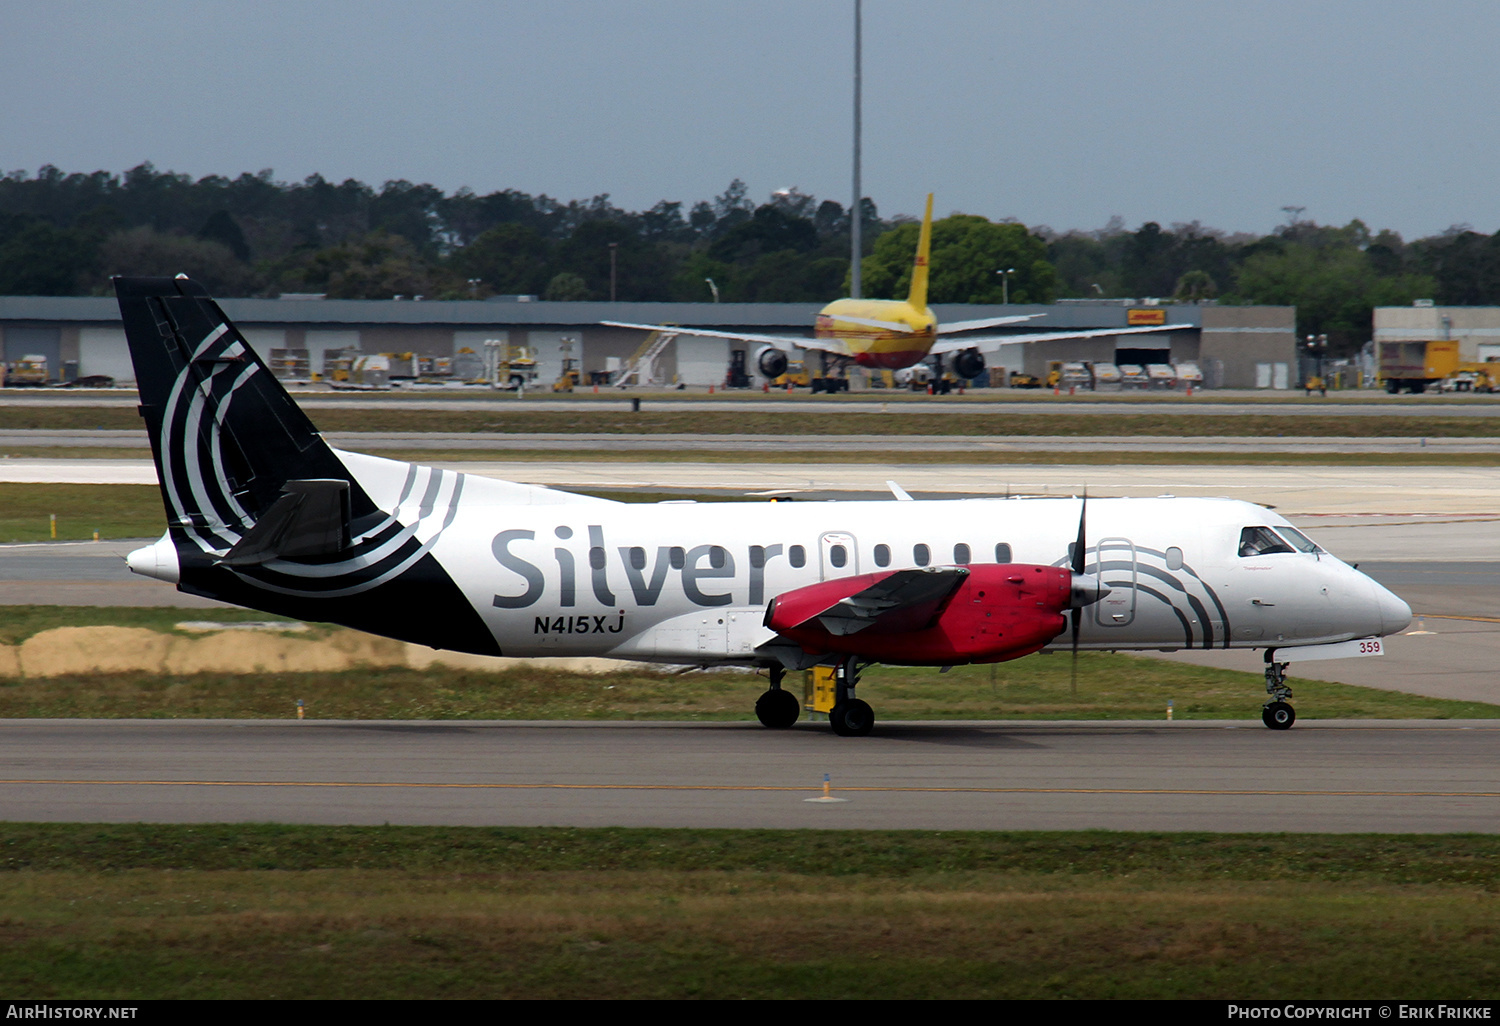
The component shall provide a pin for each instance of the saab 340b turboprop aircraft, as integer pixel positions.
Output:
(262, 512)
(891, 334)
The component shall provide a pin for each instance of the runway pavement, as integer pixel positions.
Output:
(1301, 490)
(1332, 777)
(370, 441)
(1215, 402)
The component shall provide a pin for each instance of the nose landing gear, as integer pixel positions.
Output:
(1277, 713)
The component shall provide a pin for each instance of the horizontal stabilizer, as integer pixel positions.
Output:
(311, 518)
(953, 327)
(871, 322)
(906, 600)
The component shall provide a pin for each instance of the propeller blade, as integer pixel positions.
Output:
(1080, 550)
(1077, 623)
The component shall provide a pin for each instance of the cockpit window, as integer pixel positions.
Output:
(1261, 541)
(1300, 541)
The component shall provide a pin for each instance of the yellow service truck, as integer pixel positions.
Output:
(28, 370)
(1412, 366)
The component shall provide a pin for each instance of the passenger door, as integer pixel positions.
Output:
(1115, 560)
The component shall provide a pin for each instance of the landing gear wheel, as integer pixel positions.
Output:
(777, 709)
(1278, 715)
(853, 718)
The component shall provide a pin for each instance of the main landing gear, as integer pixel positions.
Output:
(849, 716)
(778, 708)
(1278, 713)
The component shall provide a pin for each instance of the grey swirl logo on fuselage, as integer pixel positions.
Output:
(1183, 592)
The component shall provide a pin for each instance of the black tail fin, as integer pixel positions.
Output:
(225, 434)
(262, 512)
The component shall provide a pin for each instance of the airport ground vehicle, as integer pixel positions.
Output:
(1413, 366)
(1475, 377)
(28, 370)
(1417, 366)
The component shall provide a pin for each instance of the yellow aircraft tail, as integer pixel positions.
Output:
(918, 296)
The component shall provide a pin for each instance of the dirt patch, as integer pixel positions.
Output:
(73, 650)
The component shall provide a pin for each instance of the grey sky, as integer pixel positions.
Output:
(1061, 113)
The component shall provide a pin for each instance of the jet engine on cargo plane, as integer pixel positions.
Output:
(771, 362)
(969, 364)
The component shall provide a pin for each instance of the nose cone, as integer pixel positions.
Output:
(1086, 590)
(1395, 614)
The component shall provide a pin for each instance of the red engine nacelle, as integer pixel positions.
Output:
(999, 611)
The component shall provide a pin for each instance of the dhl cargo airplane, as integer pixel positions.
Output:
(262, 512)
(891, 334)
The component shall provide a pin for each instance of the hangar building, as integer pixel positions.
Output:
(1234, 346)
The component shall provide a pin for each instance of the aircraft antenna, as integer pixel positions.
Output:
(856, 212)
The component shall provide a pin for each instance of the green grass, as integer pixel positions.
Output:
(115, 511)
(1110, 687)
(1395, 859)
(255, 911)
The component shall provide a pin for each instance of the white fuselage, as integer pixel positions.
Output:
(554, 574)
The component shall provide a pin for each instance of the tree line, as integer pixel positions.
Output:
(66, 234)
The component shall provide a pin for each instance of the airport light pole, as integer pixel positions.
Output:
(713, 288)
(1005, 284)
(856, 212)
(614, 248)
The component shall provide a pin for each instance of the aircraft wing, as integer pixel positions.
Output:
(984, 322)
(786, 343)
(989, 343)
(905, 600)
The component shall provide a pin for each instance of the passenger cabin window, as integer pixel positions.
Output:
(638, 557)
(1174, 558)
(678, 557)
(718, 555)
(837, 555)
(921, 554)
(1261, 541)
(797, 555)
(882, 555)
(1002, 552)
(961, 554)
(596, 557)
(757, 556)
